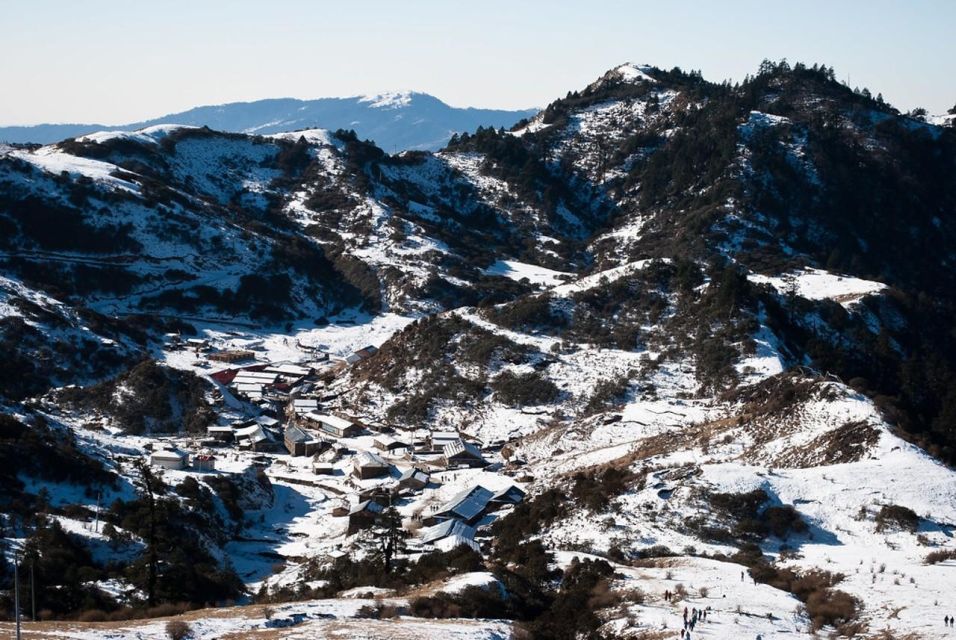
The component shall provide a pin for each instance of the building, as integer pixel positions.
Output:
(462, 454)
(300, 443)
(363, 516)
(222, 434)
(256, 438)
(303, 406)
(204, 462)
(362, 354)
(389, 444)
(368, 465)
(413, 479)
(438, 439)
(511, 495)
(449, 535)
(469, 506)
(322, 468)
(333, 425)
(451, 543)
(232, 355)
(169, 459)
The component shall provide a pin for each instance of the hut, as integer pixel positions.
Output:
(300, 443)
(363, 516)
(413, 479)
(169, 459)
(333, 425)
(463, 454)
(368, 465)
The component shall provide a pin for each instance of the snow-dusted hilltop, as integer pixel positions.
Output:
(668, 355)
(395, 121)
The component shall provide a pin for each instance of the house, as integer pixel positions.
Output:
(442, 530)
(453, 542)
(363, 516)
(511, 495)
(389, 444)
(469, 506)
(204, 462)
(256, 438)
(413, 479)
(333, 425)
(289, 371)
(232, 355)
(439, 439)
(169, 459)
(369, 465)
(362, 354)
(302, 406)
(322, 468)
(300, 443)
(462, 454)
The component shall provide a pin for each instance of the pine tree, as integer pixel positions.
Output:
(387, 538)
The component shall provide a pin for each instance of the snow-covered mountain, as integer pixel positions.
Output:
(396, 121)
(707, 328)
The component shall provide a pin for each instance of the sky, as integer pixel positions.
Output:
(110, 62)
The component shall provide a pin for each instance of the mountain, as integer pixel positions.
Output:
(706, 328)
(395, 121)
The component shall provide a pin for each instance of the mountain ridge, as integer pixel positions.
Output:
(395, 120)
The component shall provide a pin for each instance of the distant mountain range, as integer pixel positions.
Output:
(395, 121)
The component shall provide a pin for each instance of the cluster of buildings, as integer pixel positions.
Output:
(381, 465)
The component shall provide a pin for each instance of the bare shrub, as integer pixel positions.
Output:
(178, 630)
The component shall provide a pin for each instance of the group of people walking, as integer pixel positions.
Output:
(691, 618)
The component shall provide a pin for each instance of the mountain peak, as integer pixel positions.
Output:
(388, 99)
(633, 73)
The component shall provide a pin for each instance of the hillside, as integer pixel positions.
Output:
(665, 344)
(396, 121)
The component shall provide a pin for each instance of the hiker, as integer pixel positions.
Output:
(741, 576)
(945, 621)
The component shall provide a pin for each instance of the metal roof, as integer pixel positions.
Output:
(369, 459)
(460, 446)
(468, 504)
(453, 542)
(295, 434)
(333, 421)
(445, 529)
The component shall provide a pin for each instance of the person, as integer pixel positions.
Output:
(945, 621)
(741, 576)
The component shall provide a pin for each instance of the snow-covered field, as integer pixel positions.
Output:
(816, 284)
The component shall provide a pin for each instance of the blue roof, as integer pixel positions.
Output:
(468, 504)
(446, 529)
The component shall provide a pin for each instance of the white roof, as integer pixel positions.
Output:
(445, 435)
(455, 541)
(369, 459)
(253, 433)
(288, 369)
(260, 378)
(460, 446)
(219, 429)
(332, 421)
(166, 454)
(247, 387)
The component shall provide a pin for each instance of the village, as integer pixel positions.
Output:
(283, 418)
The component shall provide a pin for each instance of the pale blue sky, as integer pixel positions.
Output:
(113, 62)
